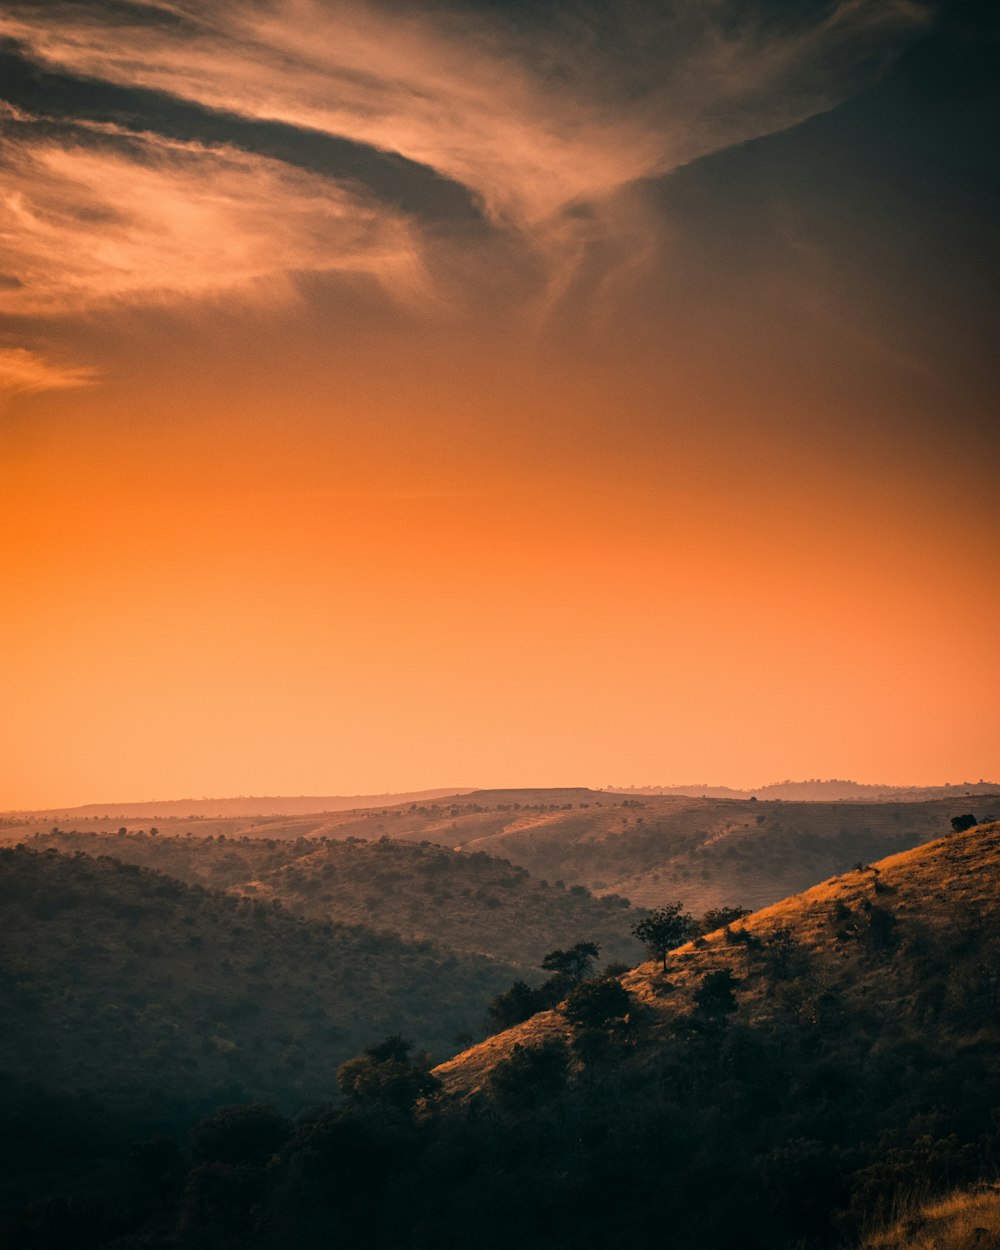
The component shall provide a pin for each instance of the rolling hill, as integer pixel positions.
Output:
(708, 852)
(139, 993)
(793, 1082)
(471, 903)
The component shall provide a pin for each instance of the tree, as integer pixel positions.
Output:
(387, 1075)
(664, 929)
(715, 997)
(522, 1001)
(959, 824)
(518, 1003)
(574, 965)
(530, 1074)
(245, 1134)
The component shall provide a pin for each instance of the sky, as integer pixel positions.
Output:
(398, 395)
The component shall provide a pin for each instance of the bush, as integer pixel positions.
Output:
(599, 1004)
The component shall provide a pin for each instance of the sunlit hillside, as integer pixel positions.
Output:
(810, 1075)
(885, 944)
(968, 1219)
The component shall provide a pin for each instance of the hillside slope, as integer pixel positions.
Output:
(136, 990)
(893, 938)
(474, 903)
(791, 1083)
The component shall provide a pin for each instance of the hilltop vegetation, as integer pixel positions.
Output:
(474, 903)
(784, 1085)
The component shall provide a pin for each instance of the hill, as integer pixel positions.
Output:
(804, 1074)
(826, 791)
(473, 903)
(243, 806)
(790, 1083)
(924, 912)
(707, 852)
(650, 849)
(150, 998)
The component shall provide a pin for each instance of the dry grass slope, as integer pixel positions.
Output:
(965, 1220)
(949, 885)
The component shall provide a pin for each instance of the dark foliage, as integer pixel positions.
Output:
(598, 1004)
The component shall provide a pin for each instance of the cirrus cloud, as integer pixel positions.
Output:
(84, 224)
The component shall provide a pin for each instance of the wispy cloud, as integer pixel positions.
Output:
(84, 224)
(23, 371)
(547, 129)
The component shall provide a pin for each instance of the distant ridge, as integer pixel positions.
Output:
(300, 805)
(817, 791)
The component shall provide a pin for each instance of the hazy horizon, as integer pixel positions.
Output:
(495, 390)
(432, 793)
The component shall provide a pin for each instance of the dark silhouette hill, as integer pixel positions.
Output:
(145, 994)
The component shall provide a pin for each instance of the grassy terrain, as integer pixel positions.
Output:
(968, 1219)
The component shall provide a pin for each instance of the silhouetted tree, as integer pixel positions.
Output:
(664, 929)
(574, 965)
(530, 1074)
(518, 1003)
(959, 824)
(715, 997)
(243, 1134)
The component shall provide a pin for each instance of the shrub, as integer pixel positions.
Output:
(599, 1004)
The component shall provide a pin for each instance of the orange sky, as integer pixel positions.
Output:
(677, 465)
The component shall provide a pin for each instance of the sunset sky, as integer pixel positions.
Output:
(566, 392)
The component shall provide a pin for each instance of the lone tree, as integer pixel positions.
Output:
(959, 824)
(574, 965)
(662, 930)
